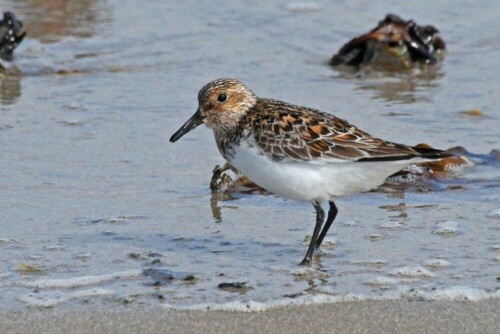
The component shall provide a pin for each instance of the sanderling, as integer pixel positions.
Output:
(297, 152)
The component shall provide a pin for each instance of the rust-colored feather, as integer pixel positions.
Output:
(289, 132)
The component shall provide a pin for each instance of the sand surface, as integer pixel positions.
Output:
(349, 317)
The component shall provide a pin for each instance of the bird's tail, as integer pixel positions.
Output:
(431, 153)
(423, 152)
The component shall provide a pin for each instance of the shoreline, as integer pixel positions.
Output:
(400, 316)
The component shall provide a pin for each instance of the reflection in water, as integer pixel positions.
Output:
(317, 278)
(10, 89)
(50, 20)
(214, 204)
(402, 91)
(402, 87)
(399, 211)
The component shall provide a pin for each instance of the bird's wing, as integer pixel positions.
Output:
(288, 132)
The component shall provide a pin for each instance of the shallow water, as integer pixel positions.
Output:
(93, 193)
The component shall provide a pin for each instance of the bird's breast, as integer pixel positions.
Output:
(310, 180)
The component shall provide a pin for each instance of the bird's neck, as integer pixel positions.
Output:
(228, 138)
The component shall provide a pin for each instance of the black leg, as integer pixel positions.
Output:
(332, 213)
(320, 216)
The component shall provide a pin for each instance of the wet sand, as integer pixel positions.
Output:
(349, 317)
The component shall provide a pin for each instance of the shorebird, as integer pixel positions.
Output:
(297, 152)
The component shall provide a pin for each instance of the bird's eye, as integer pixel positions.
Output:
(221, 98)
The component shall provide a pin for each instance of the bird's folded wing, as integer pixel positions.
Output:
(303, 134)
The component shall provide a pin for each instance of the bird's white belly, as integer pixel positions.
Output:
(313, 180)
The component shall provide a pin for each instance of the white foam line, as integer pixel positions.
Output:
(254, 306)
(74, 282)
(412, 272)
(454, 293)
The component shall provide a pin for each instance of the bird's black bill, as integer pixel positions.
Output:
(191, 123)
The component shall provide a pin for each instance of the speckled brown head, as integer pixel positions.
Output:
(221, 105)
